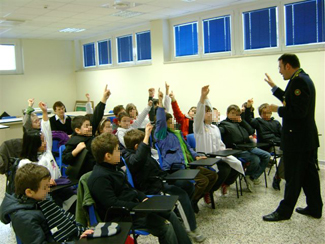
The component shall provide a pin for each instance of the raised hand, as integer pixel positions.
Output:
(88, 97)
(151, 92)
(148, 129)
(167, 88)
(160, 94)
(30, 102)
(172, 96)
(42, 106)
(250, 103)
(269, 80)
(106, 94)
(205, 91)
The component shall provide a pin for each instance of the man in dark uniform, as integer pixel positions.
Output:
(299, 140)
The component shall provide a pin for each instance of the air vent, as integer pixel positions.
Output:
(126, 14)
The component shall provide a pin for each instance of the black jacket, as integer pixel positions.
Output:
(267, 130)
(142, 167)
(109, 188)
(57, 125)
(75, 139)
(235, 133)
(299, 131)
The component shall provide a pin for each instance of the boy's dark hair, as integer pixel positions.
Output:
(77, 122)
(233, 107)
(263, 106)
(129, 107)
(168, 116)
(208, 109)
(122, 115)
(291, 59)
(117, 109)
(58, 104)
(31, 142)
(132, 138)
(30, 176)
(191, 109)
(102, 144)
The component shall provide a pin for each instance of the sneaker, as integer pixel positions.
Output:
(257, 181)
(207, 198)
(276, 183)
(249, 183)
(196, 235)
(224, 189)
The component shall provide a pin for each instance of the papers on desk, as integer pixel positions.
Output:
(4, 127)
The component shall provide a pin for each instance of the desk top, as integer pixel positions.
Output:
(183, 174)
(59, 187)
(4, 127)
(157, 204)
(115, 239)
(81, 113)
(205, 162)
(224, 153)
(12, 120)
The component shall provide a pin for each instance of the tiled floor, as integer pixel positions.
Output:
(240, 220)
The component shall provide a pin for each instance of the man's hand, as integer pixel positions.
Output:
(172, 96)
(30, 102)
(106, 94)
(167, 88)
(151, 92)
(273, 108)
(269, 80)
(43, 107)
(250, 103)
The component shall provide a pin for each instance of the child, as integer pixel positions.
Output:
(109, 188)
(83, 135)
(235, 131)
(125, 124)
(34, 218)
(117, 110)
(145, 171)
(105, 125)
(60, 122)
(268, 130)
(132, 111)
(208, 139)
(31, 120)
(185, 120)
(174, 149)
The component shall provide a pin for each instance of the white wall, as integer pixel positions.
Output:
(48, 76)
(231, 80)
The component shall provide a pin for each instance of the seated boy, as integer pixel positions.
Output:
(83, 135)
(208, 139)
(174, 149)
(109, 188)
(144, 168)
(235, 131)
(60, 122)
(268, 130)
(36, 219)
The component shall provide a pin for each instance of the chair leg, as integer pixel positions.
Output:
(265, 179)
(240, 186)
(212, 200)
(237, 190)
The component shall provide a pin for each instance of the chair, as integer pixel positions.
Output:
(74, 171)
(55, 150)
(191, 140)
(63, 167)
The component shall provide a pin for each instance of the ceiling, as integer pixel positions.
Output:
(43, 19)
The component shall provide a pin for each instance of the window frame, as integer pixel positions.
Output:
(83, 55)
(18, 57)
(110, 53)
(136, 47)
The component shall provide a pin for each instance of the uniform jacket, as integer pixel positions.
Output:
(299, 131)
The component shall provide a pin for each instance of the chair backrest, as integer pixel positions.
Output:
(55, 146)
(191, 140)
(61, 149)
(128, 173)
(74, 171)
(9, 149)
(92, 215)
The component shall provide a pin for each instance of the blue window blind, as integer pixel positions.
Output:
(260, 28)
(186, 39)
(89, 54)
(216, 33)
(104, 52)
(125, 49)
(305, 22)
(144, 45)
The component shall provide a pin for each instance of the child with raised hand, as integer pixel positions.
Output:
(208, 139)
(34, 217)
(30, 119)
(125, 124)
(132, 111)
(83, 135)
(174, 149)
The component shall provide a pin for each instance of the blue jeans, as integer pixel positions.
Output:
(258, 160)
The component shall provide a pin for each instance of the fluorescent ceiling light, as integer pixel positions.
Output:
(72, 30)
(126, 14)
(188, 1)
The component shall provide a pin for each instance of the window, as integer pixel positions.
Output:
(216, 34)
(104, 52)
(7, 57)
(186, 39)
(89, 55)
(305, 22)
(143, 46)
(260, 28)
(125, 49)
